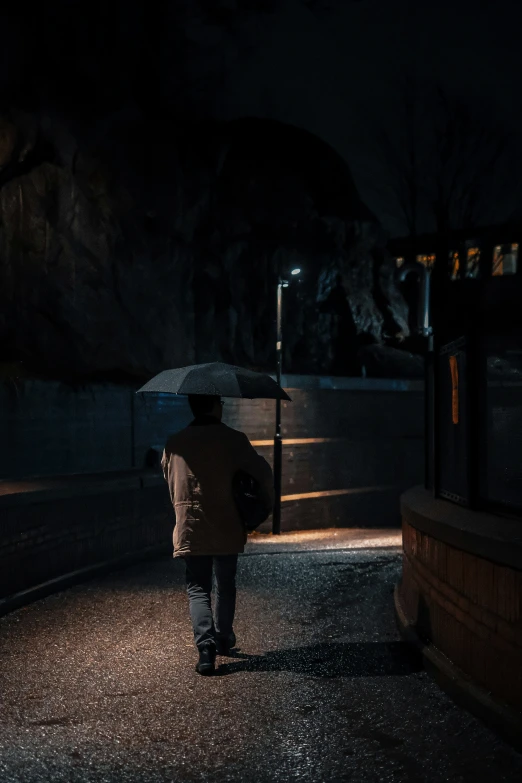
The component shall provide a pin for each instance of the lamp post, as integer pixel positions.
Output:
(278, 440)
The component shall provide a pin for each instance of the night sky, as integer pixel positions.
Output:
(329, 66)
(336, 72)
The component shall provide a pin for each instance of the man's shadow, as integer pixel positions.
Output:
(334, 659)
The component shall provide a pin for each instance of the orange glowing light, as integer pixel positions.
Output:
(454, 265)
(505, 259)
(427, 260)
(454, 369)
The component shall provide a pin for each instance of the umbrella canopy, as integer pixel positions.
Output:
(218, 378)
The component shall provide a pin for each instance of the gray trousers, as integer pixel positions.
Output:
(208, 628)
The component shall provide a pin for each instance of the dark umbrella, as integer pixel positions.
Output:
(218, 378)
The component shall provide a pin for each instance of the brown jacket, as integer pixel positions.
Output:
(198, 464)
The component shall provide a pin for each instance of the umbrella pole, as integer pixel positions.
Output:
(278, 442)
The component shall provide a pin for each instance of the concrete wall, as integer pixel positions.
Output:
(48, 428)
(74, 494)
(62, 527)
(348, 453)
(351, 446)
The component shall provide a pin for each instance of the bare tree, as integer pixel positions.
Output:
(398, 144)
(449, 163)
(472, 177)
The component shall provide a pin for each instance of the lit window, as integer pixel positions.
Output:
(505, 259)
(454, 265)
(427, 260)
(473, 262)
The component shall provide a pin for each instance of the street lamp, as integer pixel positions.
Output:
(278, 441)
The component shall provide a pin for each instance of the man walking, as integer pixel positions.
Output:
(199, 464)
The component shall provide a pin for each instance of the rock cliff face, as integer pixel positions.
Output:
(137, 233)
(162, 247)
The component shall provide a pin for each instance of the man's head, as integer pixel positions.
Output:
(205, 405)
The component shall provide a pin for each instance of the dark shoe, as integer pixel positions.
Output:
(225, 644)
(207, 660)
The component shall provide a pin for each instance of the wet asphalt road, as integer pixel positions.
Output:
(98, 682)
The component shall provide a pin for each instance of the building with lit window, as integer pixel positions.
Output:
(460, 596)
